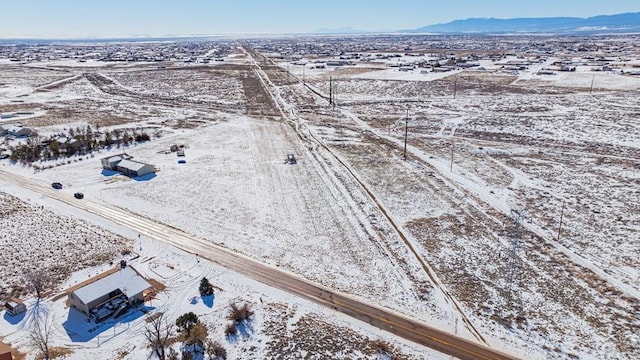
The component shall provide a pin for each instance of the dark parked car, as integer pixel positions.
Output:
(291, 159)
(78, 195)
(56, 185)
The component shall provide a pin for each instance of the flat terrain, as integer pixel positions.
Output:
(513, 220)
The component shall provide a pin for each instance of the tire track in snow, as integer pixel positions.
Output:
(280, 102)
(377, 316)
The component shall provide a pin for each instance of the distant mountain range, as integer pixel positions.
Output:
(619, 23)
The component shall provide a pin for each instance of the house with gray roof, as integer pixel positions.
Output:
(111, 295)
(125, 164)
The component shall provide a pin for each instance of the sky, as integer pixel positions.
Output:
(108, 18)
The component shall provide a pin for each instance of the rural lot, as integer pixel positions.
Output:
(489, 191)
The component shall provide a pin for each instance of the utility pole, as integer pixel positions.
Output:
(330, 90)
(451, 163)
(592, 80)
(455, 86)
(406, 132)
(561, 215)
(334, 93)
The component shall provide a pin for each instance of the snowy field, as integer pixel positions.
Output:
(548, 147)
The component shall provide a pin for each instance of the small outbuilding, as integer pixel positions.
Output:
(15, 307)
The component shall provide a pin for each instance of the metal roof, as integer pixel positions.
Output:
(132, 165)
(127, 280)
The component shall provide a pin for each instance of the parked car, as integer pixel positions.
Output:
(78, 195)
(291, 159)
(56, 185)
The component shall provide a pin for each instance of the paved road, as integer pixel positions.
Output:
(385, 319)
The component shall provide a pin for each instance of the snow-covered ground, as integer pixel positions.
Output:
(519, 142)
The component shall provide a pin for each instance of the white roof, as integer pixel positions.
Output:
(127, 280)
(121, 156)
(113, 159)
(131, 165)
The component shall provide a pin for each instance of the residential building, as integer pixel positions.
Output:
(111, 295)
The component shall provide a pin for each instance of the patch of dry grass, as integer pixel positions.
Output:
(50, 241)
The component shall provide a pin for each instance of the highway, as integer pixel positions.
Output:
(385, 319)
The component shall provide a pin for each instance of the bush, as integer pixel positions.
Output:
(231, 330)
(197, 336)
(240, 314)
(216, 351)
(381, 347)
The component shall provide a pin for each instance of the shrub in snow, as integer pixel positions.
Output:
(240, 314)
(231, 330)
(216, 351)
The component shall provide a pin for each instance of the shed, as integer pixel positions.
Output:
(109, 295)
(15, 306)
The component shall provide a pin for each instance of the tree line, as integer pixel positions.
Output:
(80, 140)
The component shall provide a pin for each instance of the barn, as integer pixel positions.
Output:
(111, 295)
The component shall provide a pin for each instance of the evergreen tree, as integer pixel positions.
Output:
(186, 321)
(206, 288)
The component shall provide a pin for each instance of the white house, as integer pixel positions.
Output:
(112, 161)
(18, 130)
(110, 295)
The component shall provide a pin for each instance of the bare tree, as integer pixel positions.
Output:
(37, 280)
(158, 331)
(172, 354)
(40, 334)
